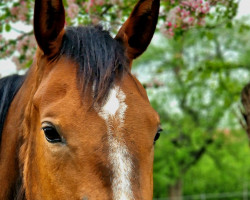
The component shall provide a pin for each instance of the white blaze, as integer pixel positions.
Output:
(112, 105)
(119, 157)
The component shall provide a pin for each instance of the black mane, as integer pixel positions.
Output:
(9, 86)
(101, 59)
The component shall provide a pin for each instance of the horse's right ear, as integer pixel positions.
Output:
(49, 21)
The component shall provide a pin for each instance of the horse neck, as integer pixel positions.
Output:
(15, 138)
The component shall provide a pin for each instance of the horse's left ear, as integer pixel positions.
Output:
(137, 32)
(49, 21)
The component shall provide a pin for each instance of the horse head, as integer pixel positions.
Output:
(86, 126)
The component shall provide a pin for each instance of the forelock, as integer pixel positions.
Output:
(100, 58)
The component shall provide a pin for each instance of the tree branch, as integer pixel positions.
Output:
(198, 154)
(245, 100)
(10, 42)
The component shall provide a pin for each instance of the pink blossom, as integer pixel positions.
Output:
(90, 4)
(14, 11)
(99, 2)
(73, 10)
(95, 20)
(187, 14)
(70, 1)
(22, 17)
(20, 12)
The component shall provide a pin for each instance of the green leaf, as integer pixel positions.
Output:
(7, 28)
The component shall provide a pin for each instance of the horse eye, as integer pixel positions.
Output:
(157, 135)
(51, 135)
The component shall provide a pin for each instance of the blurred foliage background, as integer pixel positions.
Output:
(193, 71)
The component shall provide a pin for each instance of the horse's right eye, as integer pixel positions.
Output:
(51, 135)
(158, 134)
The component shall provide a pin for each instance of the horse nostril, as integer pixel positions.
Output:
(85, 198)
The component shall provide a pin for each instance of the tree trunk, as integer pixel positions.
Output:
(175, 191)
(245, 99)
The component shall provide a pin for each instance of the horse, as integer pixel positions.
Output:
(78, 125)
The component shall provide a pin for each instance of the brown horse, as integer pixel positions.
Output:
(79, 125)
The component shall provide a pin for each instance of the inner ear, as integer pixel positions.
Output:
(138, 30)
(49, 21)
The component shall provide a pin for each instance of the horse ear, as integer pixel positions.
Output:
(49, 21)
(137, 32)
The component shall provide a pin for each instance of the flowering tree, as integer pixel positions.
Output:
(198, 82)
(177, 16)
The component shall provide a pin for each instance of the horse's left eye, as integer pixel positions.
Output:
(157, 135)
(51, 134)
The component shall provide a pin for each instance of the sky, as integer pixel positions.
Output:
(7, 66)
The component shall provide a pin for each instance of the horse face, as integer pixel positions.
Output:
(84, 147)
